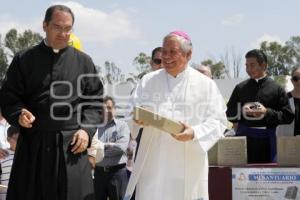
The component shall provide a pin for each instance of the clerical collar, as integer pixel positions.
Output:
(54, 50)
(258, 79)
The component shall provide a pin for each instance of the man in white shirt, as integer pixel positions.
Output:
(3, 141)
(6, 163)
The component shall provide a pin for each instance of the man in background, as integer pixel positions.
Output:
(6, 163)
(3, 137)
(156, 59)
(205, 70)
(155, 62)
(110, 174)
(256, 107)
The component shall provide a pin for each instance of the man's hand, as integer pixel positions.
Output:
(235, 126)
(80, 141)
(186, 135)
(3, 153)
(256, 110)
(139, 122)
(26, 118)
(108, 145)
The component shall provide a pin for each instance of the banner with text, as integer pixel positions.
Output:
(265, 183)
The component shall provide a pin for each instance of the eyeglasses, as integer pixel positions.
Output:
(295, 78)
(60, 29)
(157, 61)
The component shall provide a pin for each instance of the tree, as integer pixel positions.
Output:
(3, 62)
(280, 58)
(142, 63)
(113, 73)
(232, 62)
(98, 69)
(217, 68)
(293, 46)
(16, 42)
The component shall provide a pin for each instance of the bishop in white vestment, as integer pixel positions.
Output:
(175, 167)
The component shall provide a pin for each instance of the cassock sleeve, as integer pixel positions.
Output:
(92, 111)
(283, 114)
(12, 92)
(232, 106)
(208, 132)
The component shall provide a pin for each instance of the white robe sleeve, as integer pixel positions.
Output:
(212, 128)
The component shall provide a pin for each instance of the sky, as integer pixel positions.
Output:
(118, 30)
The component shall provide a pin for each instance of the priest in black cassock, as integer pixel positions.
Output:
(52, 92)
(256, 107)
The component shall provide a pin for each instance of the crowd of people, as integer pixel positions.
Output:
(67, 144)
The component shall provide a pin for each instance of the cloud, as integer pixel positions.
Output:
(268, 38)
(97, 26)
(91, 25)
(8, 22)
(233, 20)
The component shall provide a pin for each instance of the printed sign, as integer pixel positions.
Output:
(265, 183)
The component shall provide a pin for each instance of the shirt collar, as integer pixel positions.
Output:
(113, 121)
(258, 79)
(53, 50)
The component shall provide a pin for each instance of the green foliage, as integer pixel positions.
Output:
(3, 62)
(293, 46)
(207, 62)
(113, 73)
(217, 68)
(16, 42)
(282, 58)
(281, 80)
(142, 63)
